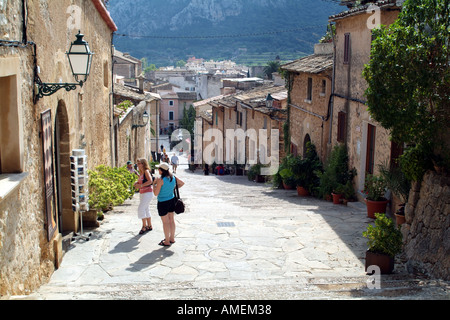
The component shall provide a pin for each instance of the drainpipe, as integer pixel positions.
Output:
(332, 89)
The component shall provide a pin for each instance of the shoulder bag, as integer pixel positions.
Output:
(179, 205)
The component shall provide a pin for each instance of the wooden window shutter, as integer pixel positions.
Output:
(309, 93)
(347, 48)
(341, 126)
(370, 156)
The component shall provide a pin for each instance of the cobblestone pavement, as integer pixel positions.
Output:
(238, 240)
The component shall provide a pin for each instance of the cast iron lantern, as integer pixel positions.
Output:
(145, 118)
(269, 101)
(80, 60)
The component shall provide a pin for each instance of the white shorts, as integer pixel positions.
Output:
(144, 203)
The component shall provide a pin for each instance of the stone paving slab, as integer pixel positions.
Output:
(238, 240)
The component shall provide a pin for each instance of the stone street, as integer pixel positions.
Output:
(237, 240)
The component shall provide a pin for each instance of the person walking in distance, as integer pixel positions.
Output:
(144, 184)
(163, 189)
(174, 161)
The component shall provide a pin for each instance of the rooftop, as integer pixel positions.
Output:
(315, 64)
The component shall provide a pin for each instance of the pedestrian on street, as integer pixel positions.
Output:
(144, 184)
(174, 161)
(165, 157)
(131, 169)
(164, 189)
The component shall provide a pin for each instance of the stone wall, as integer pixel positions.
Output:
(80, 118)
(302, 121)
(427, 229)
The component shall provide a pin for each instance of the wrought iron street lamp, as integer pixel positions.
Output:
(145, 118)
(80, 60)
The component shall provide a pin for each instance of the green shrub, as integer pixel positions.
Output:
(384, 237)
(109, 187)
(336, 173)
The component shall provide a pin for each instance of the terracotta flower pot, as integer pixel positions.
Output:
(400, 218)
(336, 198)
(287, 187)
(375, 207)
(302, 191)
(383, 261)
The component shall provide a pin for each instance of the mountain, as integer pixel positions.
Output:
(246, 31)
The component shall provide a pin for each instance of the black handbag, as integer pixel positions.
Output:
(179, 205)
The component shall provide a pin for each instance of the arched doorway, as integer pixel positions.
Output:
(305, 142)
(66, 217)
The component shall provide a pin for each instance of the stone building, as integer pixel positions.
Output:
(310, 90)
(127, 67)
(133, 138)
(238, 119)
(368, 143)
(38, 135)
(426, 231)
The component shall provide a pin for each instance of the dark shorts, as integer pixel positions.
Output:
(165, 207)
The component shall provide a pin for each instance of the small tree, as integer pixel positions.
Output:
(271, 67)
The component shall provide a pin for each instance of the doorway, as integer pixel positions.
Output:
(66, 217)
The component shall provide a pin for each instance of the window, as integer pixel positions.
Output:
(171, 103)
(239, 118)
(309, 93)
(324, 88)
(11, 146)
(105, 74)
(170, 115)
(347, 48)
(341, 127)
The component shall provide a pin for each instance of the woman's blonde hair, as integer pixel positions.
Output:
(145, 165)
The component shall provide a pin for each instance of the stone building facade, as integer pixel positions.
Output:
(310, 90)
(38, 136)
(238, 119)
(368, 143)
(133, 139)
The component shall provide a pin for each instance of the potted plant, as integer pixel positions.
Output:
(397, 182)
(337, 193)
(335, 173)
(306, 171)
(385, 241)
(375, 187)
(255, 173)
(285, 171)
(348, 192)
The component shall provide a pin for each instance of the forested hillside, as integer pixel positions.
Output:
(250, 32)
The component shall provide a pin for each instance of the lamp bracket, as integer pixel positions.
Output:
(138, 126)
(47, 89)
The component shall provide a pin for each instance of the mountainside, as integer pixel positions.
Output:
(246, 31)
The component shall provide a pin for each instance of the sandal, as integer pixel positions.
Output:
(163, 244)
(148, 228)
(143, 230)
